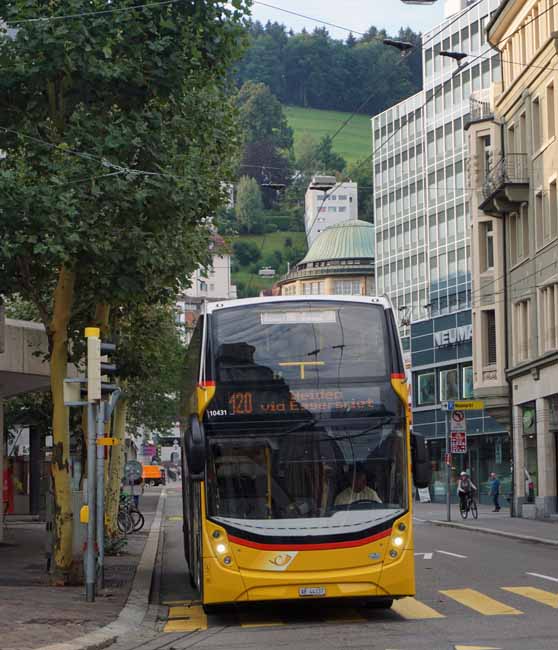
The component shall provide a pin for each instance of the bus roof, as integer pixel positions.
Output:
(244, 302)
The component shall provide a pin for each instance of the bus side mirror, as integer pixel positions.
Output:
(422, 468)
(195, 449)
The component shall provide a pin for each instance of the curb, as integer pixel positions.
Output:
(493, 531)
(137, 604)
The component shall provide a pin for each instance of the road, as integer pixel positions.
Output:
(474, 591)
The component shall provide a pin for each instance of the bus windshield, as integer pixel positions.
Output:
(318, 479)
(300, 343)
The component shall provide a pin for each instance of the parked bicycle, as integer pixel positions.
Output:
(130, 519)
(469, 506)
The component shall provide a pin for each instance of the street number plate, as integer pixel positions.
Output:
(312, 591)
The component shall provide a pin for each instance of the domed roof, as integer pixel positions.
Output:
(347, 240)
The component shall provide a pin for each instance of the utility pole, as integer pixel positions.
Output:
(100, 425)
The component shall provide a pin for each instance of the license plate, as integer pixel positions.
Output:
(312, 591)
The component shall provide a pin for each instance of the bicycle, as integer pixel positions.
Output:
(470, 506)
(130, 519)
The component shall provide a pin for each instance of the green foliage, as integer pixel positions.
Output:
(326, 159)
(151, 358)
(246, 252)
(361, 173)
(249, 206)
(118, 133)
(318, 71)
(311, 125)
(261, 116)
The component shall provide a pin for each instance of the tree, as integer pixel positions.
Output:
(326, 158)
(261, 116)
(246, 252)
(249, 205)
(361, 173)
(117, 132)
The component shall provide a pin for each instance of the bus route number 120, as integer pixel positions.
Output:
(241, 403)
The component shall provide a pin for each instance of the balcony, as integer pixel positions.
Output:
(506, 185)
(480, 107)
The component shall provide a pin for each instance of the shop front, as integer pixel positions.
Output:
(441, 357)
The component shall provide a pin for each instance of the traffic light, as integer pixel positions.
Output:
(99, 369)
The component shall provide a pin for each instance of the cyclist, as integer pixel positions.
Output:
(465, 489)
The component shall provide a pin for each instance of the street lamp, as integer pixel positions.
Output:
(456, 56)
(402, 46)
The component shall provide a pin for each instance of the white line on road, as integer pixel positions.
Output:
(540, 575)
(425, 556)
(463, 557)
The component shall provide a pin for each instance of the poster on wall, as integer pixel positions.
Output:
(426, 388)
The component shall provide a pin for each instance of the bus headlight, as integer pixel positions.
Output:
(398, 541)
(221, 548)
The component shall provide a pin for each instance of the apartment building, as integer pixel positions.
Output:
(514, 169)
(324, 209)
(423, 228)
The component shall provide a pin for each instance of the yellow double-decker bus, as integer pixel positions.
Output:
(297, 471)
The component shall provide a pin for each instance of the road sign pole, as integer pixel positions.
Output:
(448, 467)
(90, 569)
(100, 498)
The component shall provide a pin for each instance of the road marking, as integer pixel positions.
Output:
(480, 603)
(181, 602)
(475, 647)
(462, 557)
(414, 610)
(186, 619)
(541, 596)
(540, 575)
(175, 518)
(425, 556)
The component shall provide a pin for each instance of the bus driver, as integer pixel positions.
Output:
(358, 491)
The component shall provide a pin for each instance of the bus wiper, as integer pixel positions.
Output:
(314, 352)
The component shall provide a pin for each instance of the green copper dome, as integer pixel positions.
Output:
(348, 240)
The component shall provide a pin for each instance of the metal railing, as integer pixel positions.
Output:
(480, 107)
(511, 168)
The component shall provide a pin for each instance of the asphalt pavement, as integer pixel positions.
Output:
(474, 591)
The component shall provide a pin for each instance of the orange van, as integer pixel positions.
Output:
(153, 475)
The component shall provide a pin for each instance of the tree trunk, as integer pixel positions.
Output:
(116, 469)
(60, 467)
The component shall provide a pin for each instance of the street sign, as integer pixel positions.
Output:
(108, 442)
(468, 405)
(132, 471)
(457, 421)
(458, 441)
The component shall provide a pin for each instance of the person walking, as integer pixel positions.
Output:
(495, 491)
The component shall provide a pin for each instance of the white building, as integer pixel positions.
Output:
(324, 209)
(211, 284)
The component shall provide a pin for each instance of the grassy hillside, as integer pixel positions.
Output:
(354, 142)
(267, 244)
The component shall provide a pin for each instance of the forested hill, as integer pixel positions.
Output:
(317, 71)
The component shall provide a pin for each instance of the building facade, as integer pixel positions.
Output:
(514, 169)
(209, 284)
(324, 209)
(340, 262)
(423, 224)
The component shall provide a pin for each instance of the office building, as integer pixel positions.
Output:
(423, 218)
(513, 168)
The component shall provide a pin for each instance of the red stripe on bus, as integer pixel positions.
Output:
(309, 547)
(398, 375)
(207, 384)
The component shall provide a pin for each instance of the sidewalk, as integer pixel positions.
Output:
(34, 614)
(496, 523)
